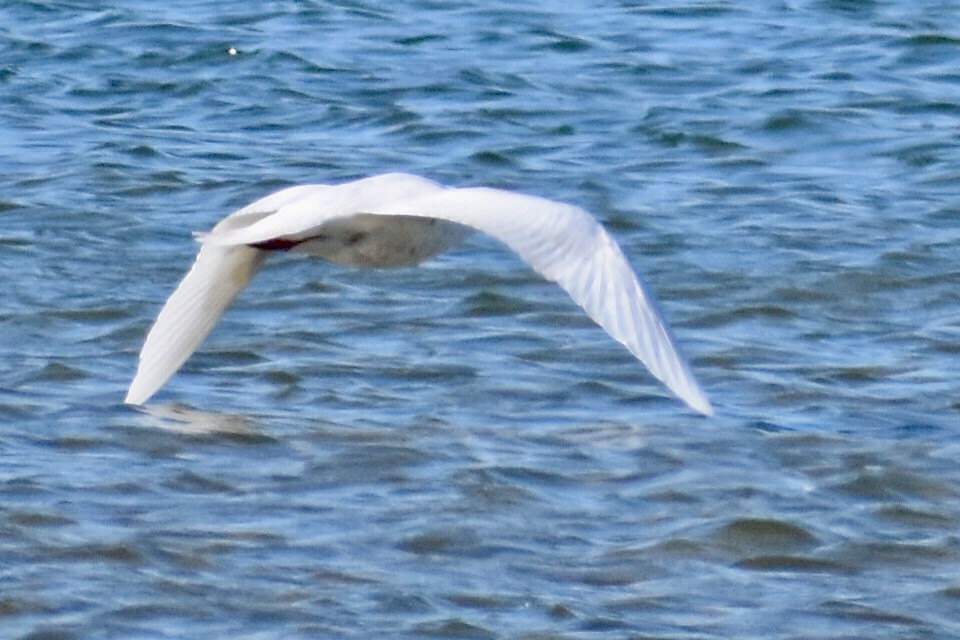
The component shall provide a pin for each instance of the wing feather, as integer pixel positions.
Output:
(562, 242)
(568, 246)
(191, 312)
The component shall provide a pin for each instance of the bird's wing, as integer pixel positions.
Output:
(297, 212)
(568, 246)
(220, 272)
(191, 312)
(562, 242)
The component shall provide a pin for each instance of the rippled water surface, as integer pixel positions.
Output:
(455, 451)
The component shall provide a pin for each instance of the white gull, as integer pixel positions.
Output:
(398, 220)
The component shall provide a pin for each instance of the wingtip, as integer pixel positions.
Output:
(144, 385)
(695, 398)
(135, 397)
(703, 407)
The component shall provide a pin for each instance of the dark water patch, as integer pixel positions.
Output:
(702, 142)
(878, 482)
(921, 155)
(123, 554)
(559, 42)
(453, 628)
(490, 303)
(602, 624)
(441, 135)
(15, 606)
(76, 443)
(858, 611)
(934, 107)
(897, 554)
(852, 375)
(368, 464)
(492, 158)
(487, 601)
(761, 536)
(498, 84)
(190, 482)
(687, 10)
(791, 564)
(780, 314)
(952, 592)
(485, 489)
(453, 542)
(284, 58)
(604, 578)
(9, 205)
(916, 517)
(405, 603)
(788, 121)
(929, 49)
(421, 39)
(57, 372)
(339, 578)
(38, 519)
(853, 8)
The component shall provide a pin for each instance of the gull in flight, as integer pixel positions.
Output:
(398, 220)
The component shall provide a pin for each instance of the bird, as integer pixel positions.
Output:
(400, 220)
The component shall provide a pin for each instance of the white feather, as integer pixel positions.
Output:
(217, 276)
(374, 222)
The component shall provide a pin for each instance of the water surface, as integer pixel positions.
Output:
(455, 451)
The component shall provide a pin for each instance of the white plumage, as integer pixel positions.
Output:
(397, 220)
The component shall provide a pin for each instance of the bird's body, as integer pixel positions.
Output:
(399, 220)
(366, 240)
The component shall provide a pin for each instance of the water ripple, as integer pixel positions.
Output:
(455, 451)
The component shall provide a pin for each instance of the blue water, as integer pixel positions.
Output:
(454, 451)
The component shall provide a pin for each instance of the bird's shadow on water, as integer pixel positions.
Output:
(180, 418)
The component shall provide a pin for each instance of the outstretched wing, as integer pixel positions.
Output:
(568, 246)
(562, 242)
(191, 312)
(221, 272)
